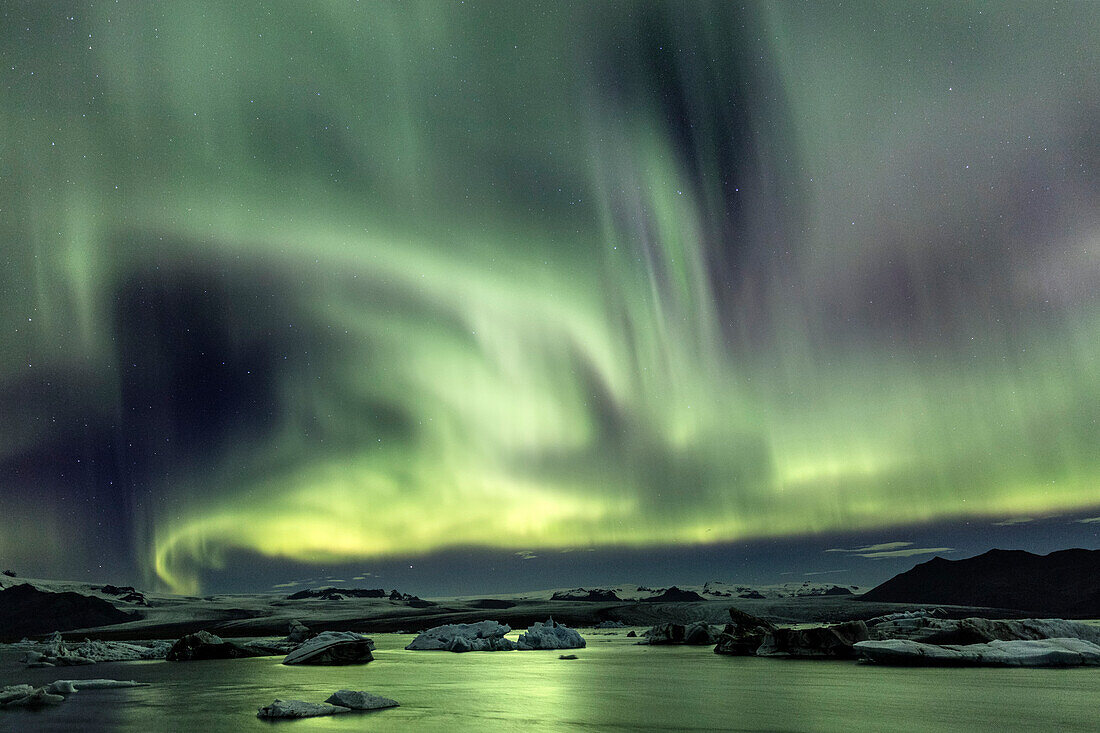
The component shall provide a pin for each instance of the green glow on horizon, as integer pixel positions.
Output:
(566, 376)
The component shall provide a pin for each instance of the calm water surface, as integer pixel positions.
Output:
(614, 685)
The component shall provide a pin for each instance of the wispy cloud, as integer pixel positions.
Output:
(291, 584)
(1088, 520)
(883, 546)
(907, 553)
(1014, 521)
(825, 572)
(890, 549)
(526, 555)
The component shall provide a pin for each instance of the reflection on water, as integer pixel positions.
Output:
(614, 685)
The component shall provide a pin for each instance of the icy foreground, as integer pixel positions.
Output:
(484, 636)
(550, 635)
(332, 647)
(26, 696)
(1017, 653)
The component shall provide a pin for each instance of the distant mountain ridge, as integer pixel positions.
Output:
(26, 610)
(1064, 583)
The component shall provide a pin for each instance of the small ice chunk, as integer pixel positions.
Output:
(102, 684)
(360, 700)
(298, 709)
(14, 692)
(37, 698)
(61, 687)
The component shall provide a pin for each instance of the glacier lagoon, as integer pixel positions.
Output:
(613, 685)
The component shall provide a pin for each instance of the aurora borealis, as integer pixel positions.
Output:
(335, 282)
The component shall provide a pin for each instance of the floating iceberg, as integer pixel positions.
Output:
(700, 633)
(204, 645)
(297, 632)
(550, 635)
(929, 629)
(298, 709)
(1016, 653)
(743, 635)
(695, 633)
(25, 696)
(836, 640)
(54, 652)
(332, 647)
(667, 633)
(61, 687)
(360, 700)
(483, 636)
(36, 698)
(918, 613)
(14, 692)
(99, 684)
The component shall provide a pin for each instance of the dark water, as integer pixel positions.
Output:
(615, 685)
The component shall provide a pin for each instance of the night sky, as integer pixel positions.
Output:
(485, 296)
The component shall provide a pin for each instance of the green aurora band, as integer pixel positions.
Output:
(513, 333)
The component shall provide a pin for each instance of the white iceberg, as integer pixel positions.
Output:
(483, 636)
(550, 635)
(100, 684)
(55, 692)
(54, 652)
(360, 700)
(298, 709)
(61, 687)
(332, 647)
(36, 698)
(918, 613)
(14, 692)
(929, 629)
(1017, 653)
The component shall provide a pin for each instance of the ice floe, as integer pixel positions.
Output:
(1015, 653)
(26, 696)
(54, 652)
